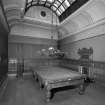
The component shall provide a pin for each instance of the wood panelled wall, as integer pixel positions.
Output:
(27, 50)
(23, 47)
(98, 45)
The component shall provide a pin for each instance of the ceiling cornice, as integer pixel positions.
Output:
(15, 21)
(13, 13)
(75, 13)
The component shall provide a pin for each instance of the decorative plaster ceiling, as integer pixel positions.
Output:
(89, 14)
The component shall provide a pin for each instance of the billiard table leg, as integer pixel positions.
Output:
(48, 95)
(41, 86)
(81, 89)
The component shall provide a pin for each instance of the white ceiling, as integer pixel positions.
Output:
(89, 14)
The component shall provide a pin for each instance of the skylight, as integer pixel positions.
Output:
(57, 6)
(51, 1)
(29, 1)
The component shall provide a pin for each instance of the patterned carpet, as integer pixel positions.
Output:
(27, 92)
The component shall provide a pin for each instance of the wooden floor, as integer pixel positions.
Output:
(27, 92)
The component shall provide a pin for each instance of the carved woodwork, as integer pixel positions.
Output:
(86, 61)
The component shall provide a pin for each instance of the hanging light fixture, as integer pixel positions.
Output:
(52, 50)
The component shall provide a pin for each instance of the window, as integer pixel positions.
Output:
(62, 8)
(29, 1)
(58, 12)
(51, 1)
(58, 6)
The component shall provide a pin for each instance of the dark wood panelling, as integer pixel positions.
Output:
(3, 50)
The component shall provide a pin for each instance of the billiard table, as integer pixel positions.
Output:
(56, 77)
